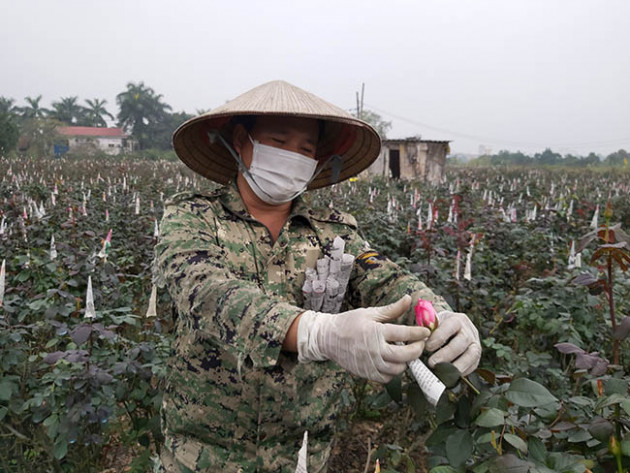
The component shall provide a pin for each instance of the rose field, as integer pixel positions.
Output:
(538, 258)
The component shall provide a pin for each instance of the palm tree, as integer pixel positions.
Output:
(7, 107)
(33, 109)
(95, 113)
(67, 111)
(140, 110)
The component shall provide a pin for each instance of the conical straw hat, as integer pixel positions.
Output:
(355, 141)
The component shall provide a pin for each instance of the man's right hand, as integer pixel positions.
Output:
(361, 341)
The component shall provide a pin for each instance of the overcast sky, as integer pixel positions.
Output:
(507, 74)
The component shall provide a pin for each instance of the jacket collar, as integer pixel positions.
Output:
(233, 202)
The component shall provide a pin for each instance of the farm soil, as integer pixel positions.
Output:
(350, 453)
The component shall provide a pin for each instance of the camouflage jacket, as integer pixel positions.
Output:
(234, 400)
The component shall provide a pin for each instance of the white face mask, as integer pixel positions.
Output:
(276, 175)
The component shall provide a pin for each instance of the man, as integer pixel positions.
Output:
(254, 368)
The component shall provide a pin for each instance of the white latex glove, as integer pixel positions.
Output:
(360, 341)
(463, 348)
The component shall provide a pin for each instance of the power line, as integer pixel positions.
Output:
(485, 139)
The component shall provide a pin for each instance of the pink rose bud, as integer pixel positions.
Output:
(426, 315)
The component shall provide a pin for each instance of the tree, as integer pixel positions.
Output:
(374, 119)
(548, 157)
(592, 160)
(141, 110)
(505, 157)
(618, 158)
(32, 109)
(38, 135)
(163, 130)
(571, 160)
(67, 111)
(6, 106)
(96, 112)
(9, 132)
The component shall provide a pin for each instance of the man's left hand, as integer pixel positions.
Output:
(463, 348)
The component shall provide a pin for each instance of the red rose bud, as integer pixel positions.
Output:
(426, 315)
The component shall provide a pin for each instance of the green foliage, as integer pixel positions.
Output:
(67, 111)
(38, 135)
(550, 158)
(95, 112)
(70, 385)
(549, 398)
(9, 133)
(143, 113)
(538, 407)
(374, 119)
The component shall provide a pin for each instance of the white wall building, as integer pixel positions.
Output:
(85, 138)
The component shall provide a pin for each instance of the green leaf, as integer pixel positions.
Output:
(625, 447)
(487, 437)
(581, 401)
(527, 393)
(459, 447)
(616, 386)
(516, 442)
(50, 420)
(447, 373)
(565, 462)
(462, 413)
(443, 469)
(610, 400)
(3, 412)
(444, 410)
(417, 401)
(543, 469)
(601, 429)
(6, 389)
(439, 436)
(510, 463)
(491, 418)
(579, 436)
(61, 447)
(625, 406)
(394, 388)
(537, 449)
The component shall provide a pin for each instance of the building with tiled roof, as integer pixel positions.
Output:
(87, 138)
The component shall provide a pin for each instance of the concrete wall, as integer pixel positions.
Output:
(109, 145)
(417, 159)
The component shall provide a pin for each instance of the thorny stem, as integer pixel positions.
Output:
(617, 423)
(502, 319)
(559, 416)
(611, 307)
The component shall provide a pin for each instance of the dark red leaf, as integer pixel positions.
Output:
(568, 348)
(81, 333)
(622, 330)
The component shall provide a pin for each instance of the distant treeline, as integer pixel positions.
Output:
(619, 158)
(32, 128)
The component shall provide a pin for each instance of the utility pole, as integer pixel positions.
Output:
(360, 102)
